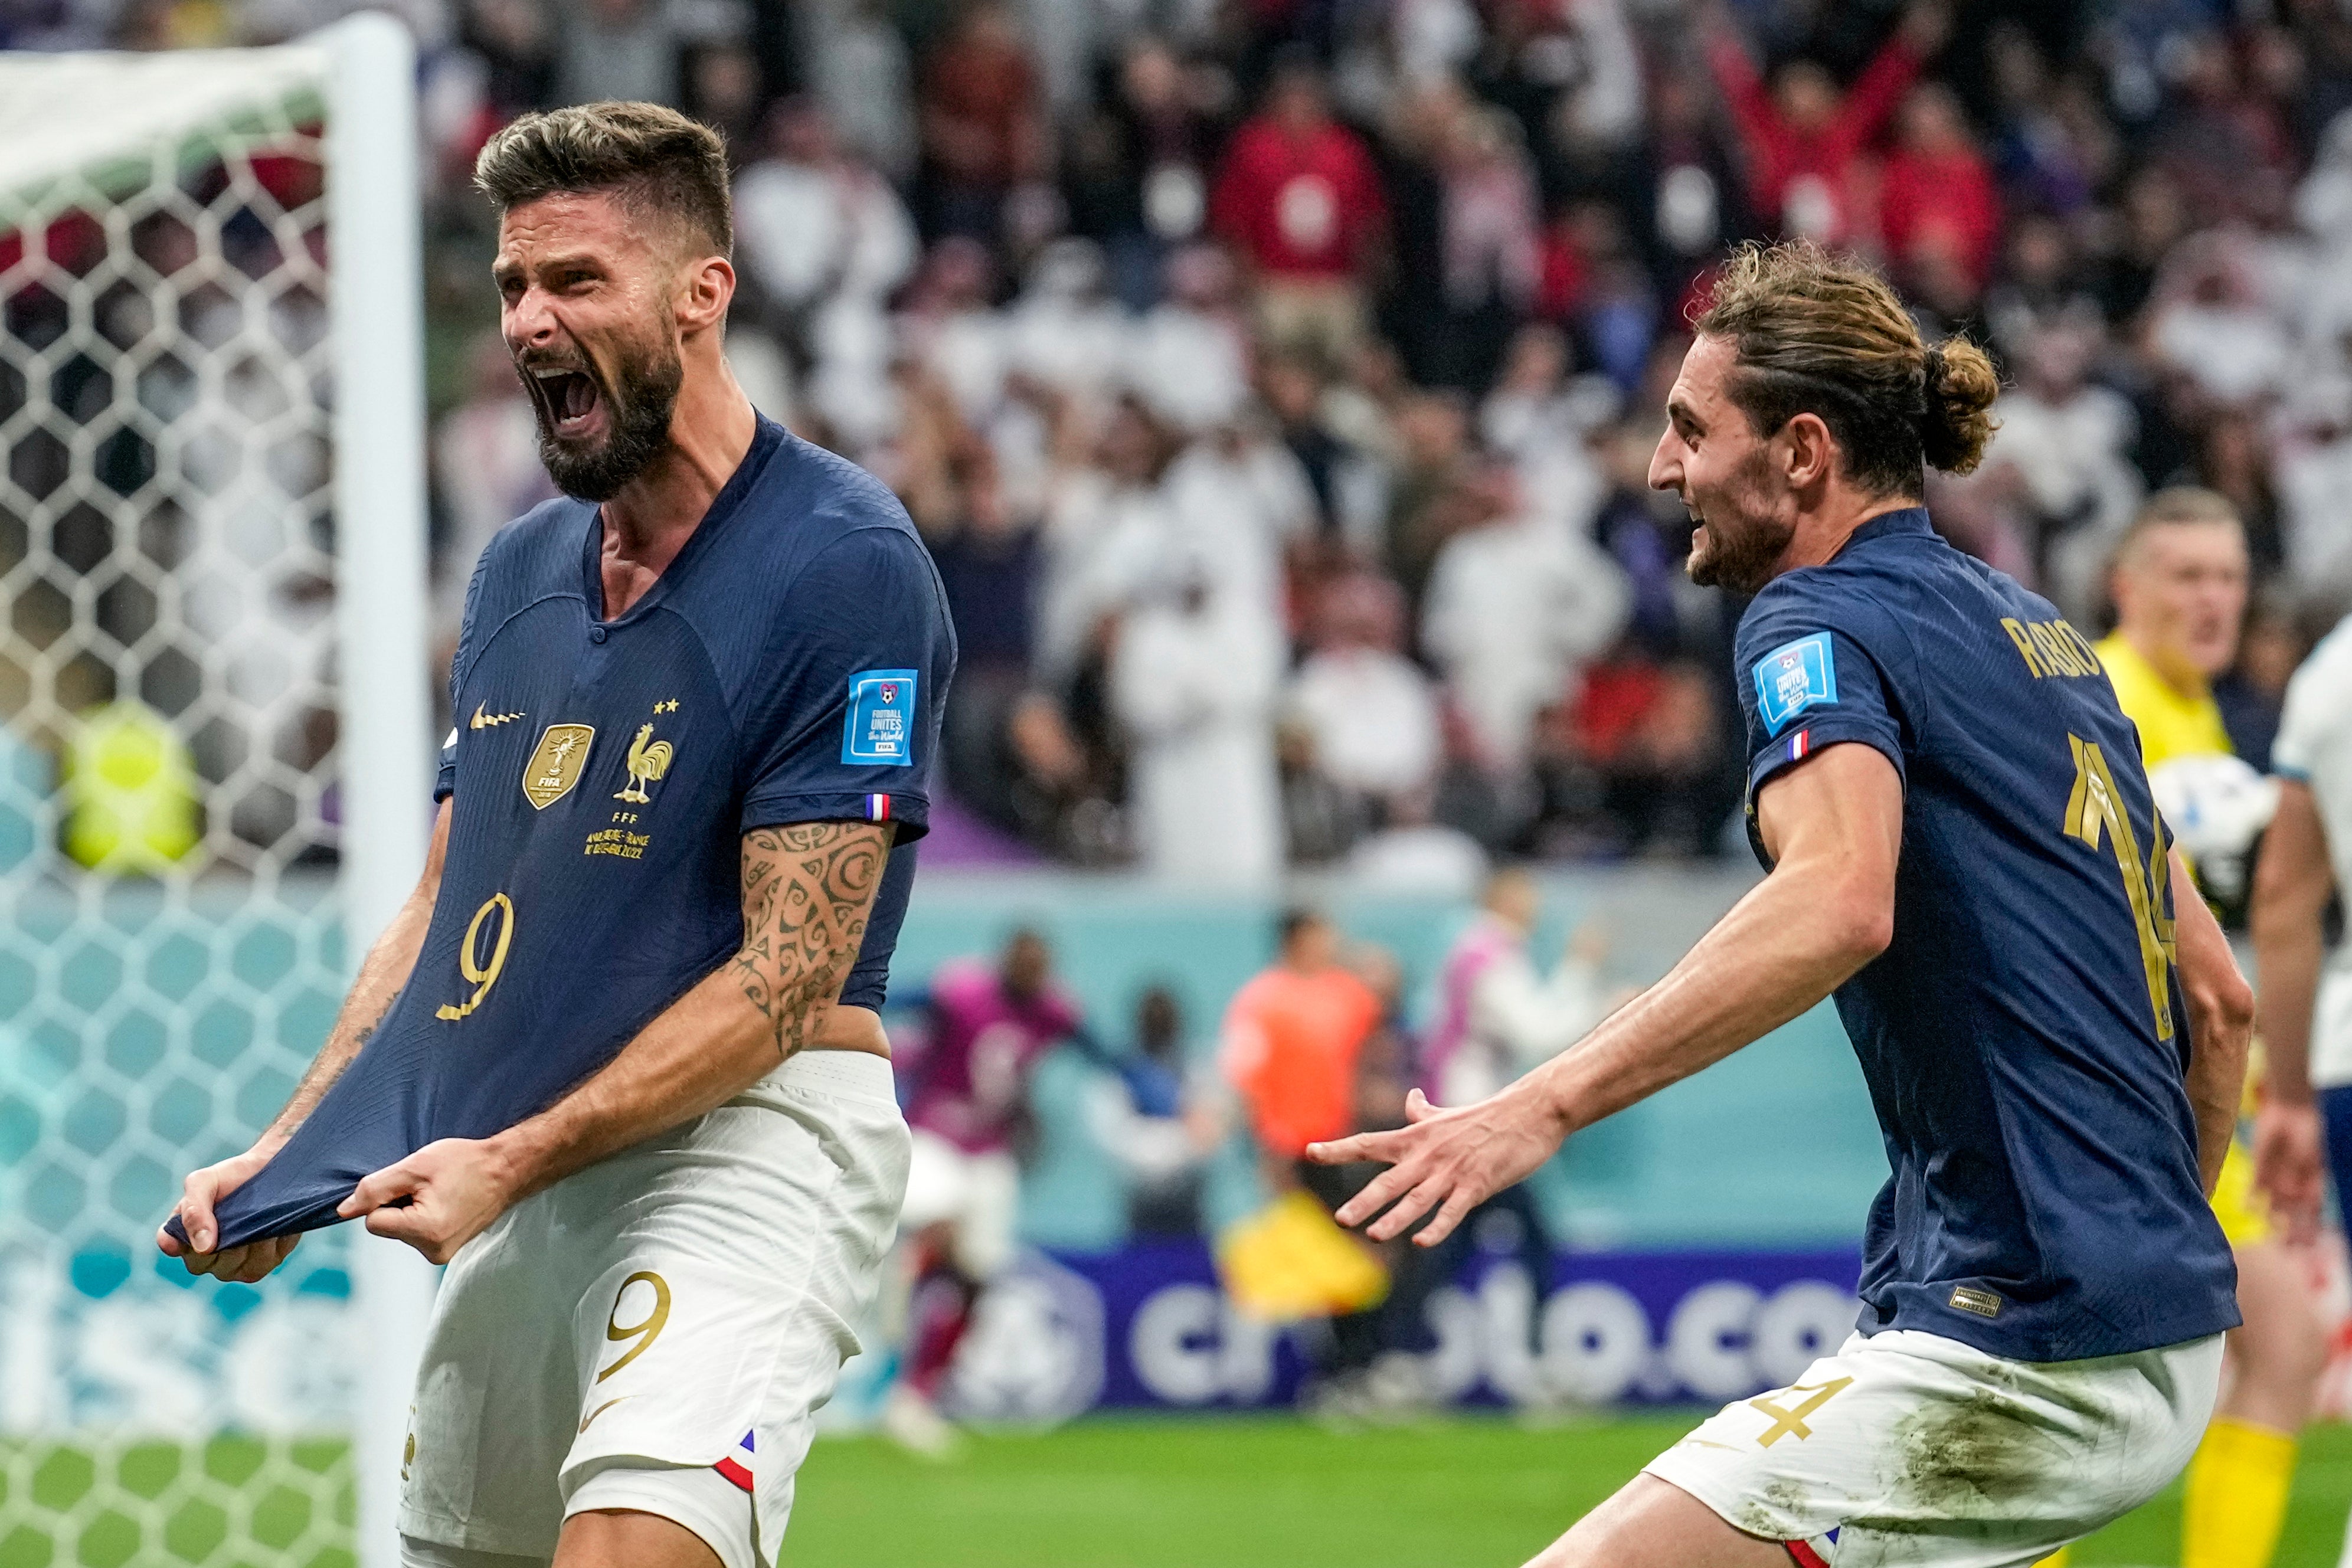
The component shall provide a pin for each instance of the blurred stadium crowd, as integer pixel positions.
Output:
(1275, 380)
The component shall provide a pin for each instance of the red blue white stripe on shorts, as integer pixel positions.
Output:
(1801, 746)
(877, 808)
(1810, 1554)
(735, 1470)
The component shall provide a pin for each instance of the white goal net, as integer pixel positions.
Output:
(213, 767)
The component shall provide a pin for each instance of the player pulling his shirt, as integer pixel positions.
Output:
(616, 1060)
(1962, 850)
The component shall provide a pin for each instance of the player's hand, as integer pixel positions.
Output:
(2288, 1163)
(1449, 1161)
(243, 1265)
(453, 1187)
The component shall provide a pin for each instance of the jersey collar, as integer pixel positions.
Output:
(766, 436)
(1887, 525)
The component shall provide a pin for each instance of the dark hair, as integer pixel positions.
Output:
(655, 160)
(1823, 335)
(1292, 922)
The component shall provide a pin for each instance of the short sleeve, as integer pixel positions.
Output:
(844, 722)
(470, 647)
(2316, 707)
(1809, 679)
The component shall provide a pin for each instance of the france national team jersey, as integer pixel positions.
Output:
(789, 666)
(2023, 1035)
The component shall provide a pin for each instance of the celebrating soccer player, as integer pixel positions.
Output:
(1962, 849)
(617, 1059)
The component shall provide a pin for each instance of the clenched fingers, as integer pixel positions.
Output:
(247, 1265)
(415, 1227)
(395, 1181)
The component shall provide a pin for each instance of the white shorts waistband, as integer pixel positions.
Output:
(845, 1074)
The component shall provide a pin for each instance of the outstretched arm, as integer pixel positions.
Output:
(808, 890)
(1833, 826)
(382, 975)
(2292, 884)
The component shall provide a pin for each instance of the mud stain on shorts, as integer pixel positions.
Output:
(1974, 1460)
(1780, 1508)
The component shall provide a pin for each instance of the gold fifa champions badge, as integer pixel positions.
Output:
(648, 759)
(556, 763)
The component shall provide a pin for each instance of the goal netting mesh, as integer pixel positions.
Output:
(171, 800)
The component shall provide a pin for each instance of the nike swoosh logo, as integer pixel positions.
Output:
(484, 720)
(600, 1410)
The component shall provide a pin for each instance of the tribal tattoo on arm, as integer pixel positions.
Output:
(808, 890)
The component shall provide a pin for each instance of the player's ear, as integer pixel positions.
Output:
(1810, 451)
(705, 291)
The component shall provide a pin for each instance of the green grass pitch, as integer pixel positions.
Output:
(1260, 1492)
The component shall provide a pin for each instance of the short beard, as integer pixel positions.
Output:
(1740, 558)
(638, 408)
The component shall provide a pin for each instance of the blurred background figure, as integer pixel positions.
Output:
(966, 1097)
(2179, 585)
(1292, 1054)
(1153, 1122)
(1498, 1017)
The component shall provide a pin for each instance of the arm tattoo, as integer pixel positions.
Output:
(807, 891)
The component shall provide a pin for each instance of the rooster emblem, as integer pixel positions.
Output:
(648, 760)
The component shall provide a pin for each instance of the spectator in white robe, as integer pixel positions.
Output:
(1516, 604)
(1193, 681)
(1371, 712)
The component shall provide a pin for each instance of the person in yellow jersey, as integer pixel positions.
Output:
(2180, 586)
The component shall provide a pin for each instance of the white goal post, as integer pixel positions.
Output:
(214, 770)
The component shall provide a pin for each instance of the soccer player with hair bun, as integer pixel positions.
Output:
(1962, 850)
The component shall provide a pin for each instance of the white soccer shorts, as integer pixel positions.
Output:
(1909, 1448)
(976, 1196)
(656, 1332)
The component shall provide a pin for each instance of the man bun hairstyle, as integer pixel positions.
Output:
(660, 164)
(1825, 335)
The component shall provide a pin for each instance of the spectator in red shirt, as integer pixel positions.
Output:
(983, 123)
(1937, 194)
(1801, 138)
(1299, 199)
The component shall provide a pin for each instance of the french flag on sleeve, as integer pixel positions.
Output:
(877, 808)
(1801, 746)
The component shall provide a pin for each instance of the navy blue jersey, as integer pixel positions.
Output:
(2023, 1035)
(789, 666)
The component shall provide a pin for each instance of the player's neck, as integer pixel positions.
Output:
(650, 520)
(1823, 531)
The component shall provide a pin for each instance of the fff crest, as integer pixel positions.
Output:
(556, 763)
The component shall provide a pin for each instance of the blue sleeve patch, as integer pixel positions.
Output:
(880, 728)
(1793, 677)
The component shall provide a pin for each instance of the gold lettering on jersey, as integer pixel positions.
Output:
(2052, 648)
(556, 763)
(481, 973)
(2094, 806)
(648, 759)
(486, 720)
(2016, 630)
(1968, 1298)
(617, 841)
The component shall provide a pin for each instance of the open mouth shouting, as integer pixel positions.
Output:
(572, 404)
